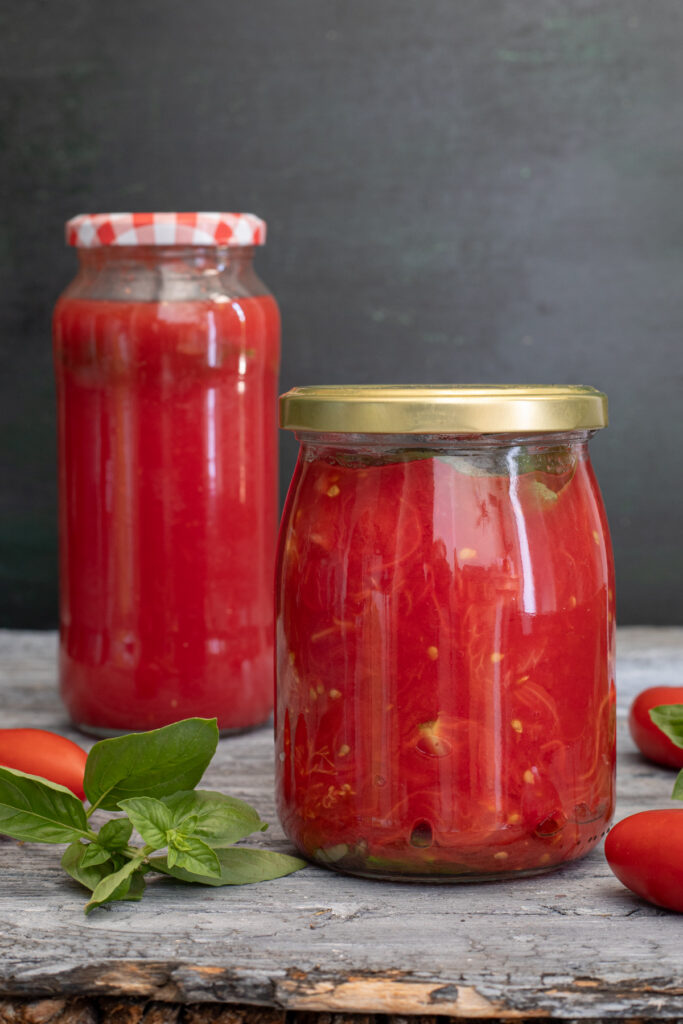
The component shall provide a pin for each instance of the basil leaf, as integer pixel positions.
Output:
(507, 460)
(112, 887)
(544, 495)
(331, 854)
(398, 866)
(155, 763)
(115, 834)
(678, 787)
(189, 825)
(517, 461)
(558, 461)
(192, 855)
(38, 811)
(239, 865)
(137, 886)
(152, 819)
(482, 464)
(220, 820)
(669, 718)
(72, 862)
(94, 854)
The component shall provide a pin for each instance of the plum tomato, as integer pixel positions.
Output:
(43, 753)
(647, 736)
(645, 852)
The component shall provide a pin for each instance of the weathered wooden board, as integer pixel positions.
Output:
(569, 944)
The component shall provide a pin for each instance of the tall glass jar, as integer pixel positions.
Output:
(445, 631)
(166, 349)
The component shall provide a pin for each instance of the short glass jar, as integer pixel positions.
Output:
(166, 348)
(445, 631)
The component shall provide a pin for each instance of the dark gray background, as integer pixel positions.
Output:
(456, 190)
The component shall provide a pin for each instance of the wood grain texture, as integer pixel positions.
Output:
(571, 944)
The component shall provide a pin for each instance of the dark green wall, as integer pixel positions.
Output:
(456, 190)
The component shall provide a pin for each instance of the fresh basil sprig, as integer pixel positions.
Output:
(669, 718)
(150, 776)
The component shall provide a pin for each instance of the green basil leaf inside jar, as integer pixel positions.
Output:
(445, 631)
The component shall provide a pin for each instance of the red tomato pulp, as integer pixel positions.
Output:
(445, 665)
(647, 736)
(168, 512)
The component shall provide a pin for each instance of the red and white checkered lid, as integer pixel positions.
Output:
(89, 230)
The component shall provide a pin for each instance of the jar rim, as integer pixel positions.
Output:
(443, 409)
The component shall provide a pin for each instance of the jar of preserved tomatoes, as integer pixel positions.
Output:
(166, 349)
(445, 631)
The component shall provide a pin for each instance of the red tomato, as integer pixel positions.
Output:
(648, 737)
(645, 852)
(38, 752)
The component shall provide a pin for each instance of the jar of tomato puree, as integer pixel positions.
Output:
(445, 631)
(166, 349)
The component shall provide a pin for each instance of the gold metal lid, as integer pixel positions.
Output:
(443, 409)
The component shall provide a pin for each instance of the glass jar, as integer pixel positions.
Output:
(445, 631)
(166, 349)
